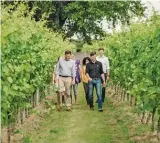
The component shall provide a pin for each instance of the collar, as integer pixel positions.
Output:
(67, 60)
(101, 56)
(95, 62)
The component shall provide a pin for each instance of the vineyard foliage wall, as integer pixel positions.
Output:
(29, 51)
(135, 62)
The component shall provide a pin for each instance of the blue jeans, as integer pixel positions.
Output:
(98, 85)
(75, 88)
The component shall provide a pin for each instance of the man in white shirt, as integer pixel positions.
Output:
(105, 64)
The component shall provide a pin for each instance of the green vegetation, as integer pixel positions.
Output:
(83, 125)
(83, 17)
(34, 35)
(135, 62)
(29, 51)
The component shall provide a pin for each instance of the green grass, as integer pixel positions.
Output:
(84, 126)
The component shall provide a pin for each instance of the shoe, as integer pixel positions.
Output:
(59, 109)
(91, 108)
(100, 110)
(68, 109)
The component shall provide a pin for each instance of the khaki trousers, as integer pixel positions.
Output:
(64, 83)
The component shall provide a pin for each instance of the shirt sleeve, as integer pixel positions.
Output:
(74, 70)
(57, 68)
(101, 69)
(107, 64)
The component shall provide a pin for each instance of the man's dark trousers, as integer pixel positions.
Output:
(104, 88)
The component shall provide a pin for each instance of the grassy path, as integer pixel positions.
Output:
(81, 125)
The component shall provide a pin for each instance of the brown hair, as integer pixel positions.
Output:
(92, 53)
(85, 59)
(101, 49)
(68, 52)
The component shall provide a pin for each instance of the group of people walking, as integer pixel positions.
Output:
(93, 72)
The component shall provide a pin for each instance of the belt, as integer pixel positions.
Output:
(64, 76)
(96, 78)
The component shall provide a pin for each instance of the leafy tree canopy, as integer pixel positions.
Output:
(83, 18)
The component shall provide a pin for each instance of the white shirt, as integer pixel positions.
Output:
(105, 63)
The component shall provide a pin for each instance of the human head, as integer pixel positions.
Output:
(73, 57)
(68, 55)
(86, 60)
(93, 56)
(101, 51)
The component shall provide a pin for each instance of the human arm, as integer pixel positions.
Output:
(80, 72)
(107, 68)
(53, 77)
(102, 75)
(56, 73)
(87, 72)
(73, 73)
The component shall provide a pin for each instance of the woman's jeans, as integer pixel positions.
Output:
(75, 90)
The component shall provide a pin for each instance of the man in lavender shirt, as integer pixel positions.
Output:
(65, 74)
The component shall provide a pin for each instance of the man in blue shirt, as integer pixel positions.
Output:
(65, 73)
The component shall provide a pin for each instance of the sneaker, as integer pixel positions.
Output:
(76, 103)
(91, 108)
(59, 109)
(68, 109)
(100, 110)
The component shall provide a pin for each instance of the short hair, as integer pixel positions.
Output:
(68, 52)
(101, 49)
(85, 59)
(92, 53)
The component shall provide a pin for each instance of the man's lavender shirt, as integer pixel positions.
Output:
(65, 68)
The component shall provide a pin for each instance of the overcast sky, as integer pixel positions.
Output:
(155, 3)
(150, 4)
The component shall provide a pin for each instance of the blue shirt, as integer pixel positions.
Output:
(65, 68)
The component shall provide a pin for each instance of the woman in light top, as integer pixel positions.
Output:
(77, 79)
(84, 78)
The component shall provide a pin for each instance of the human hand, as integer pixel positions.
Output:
(55, 80)
(90, 79)
(104, 84)
(73, 82)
